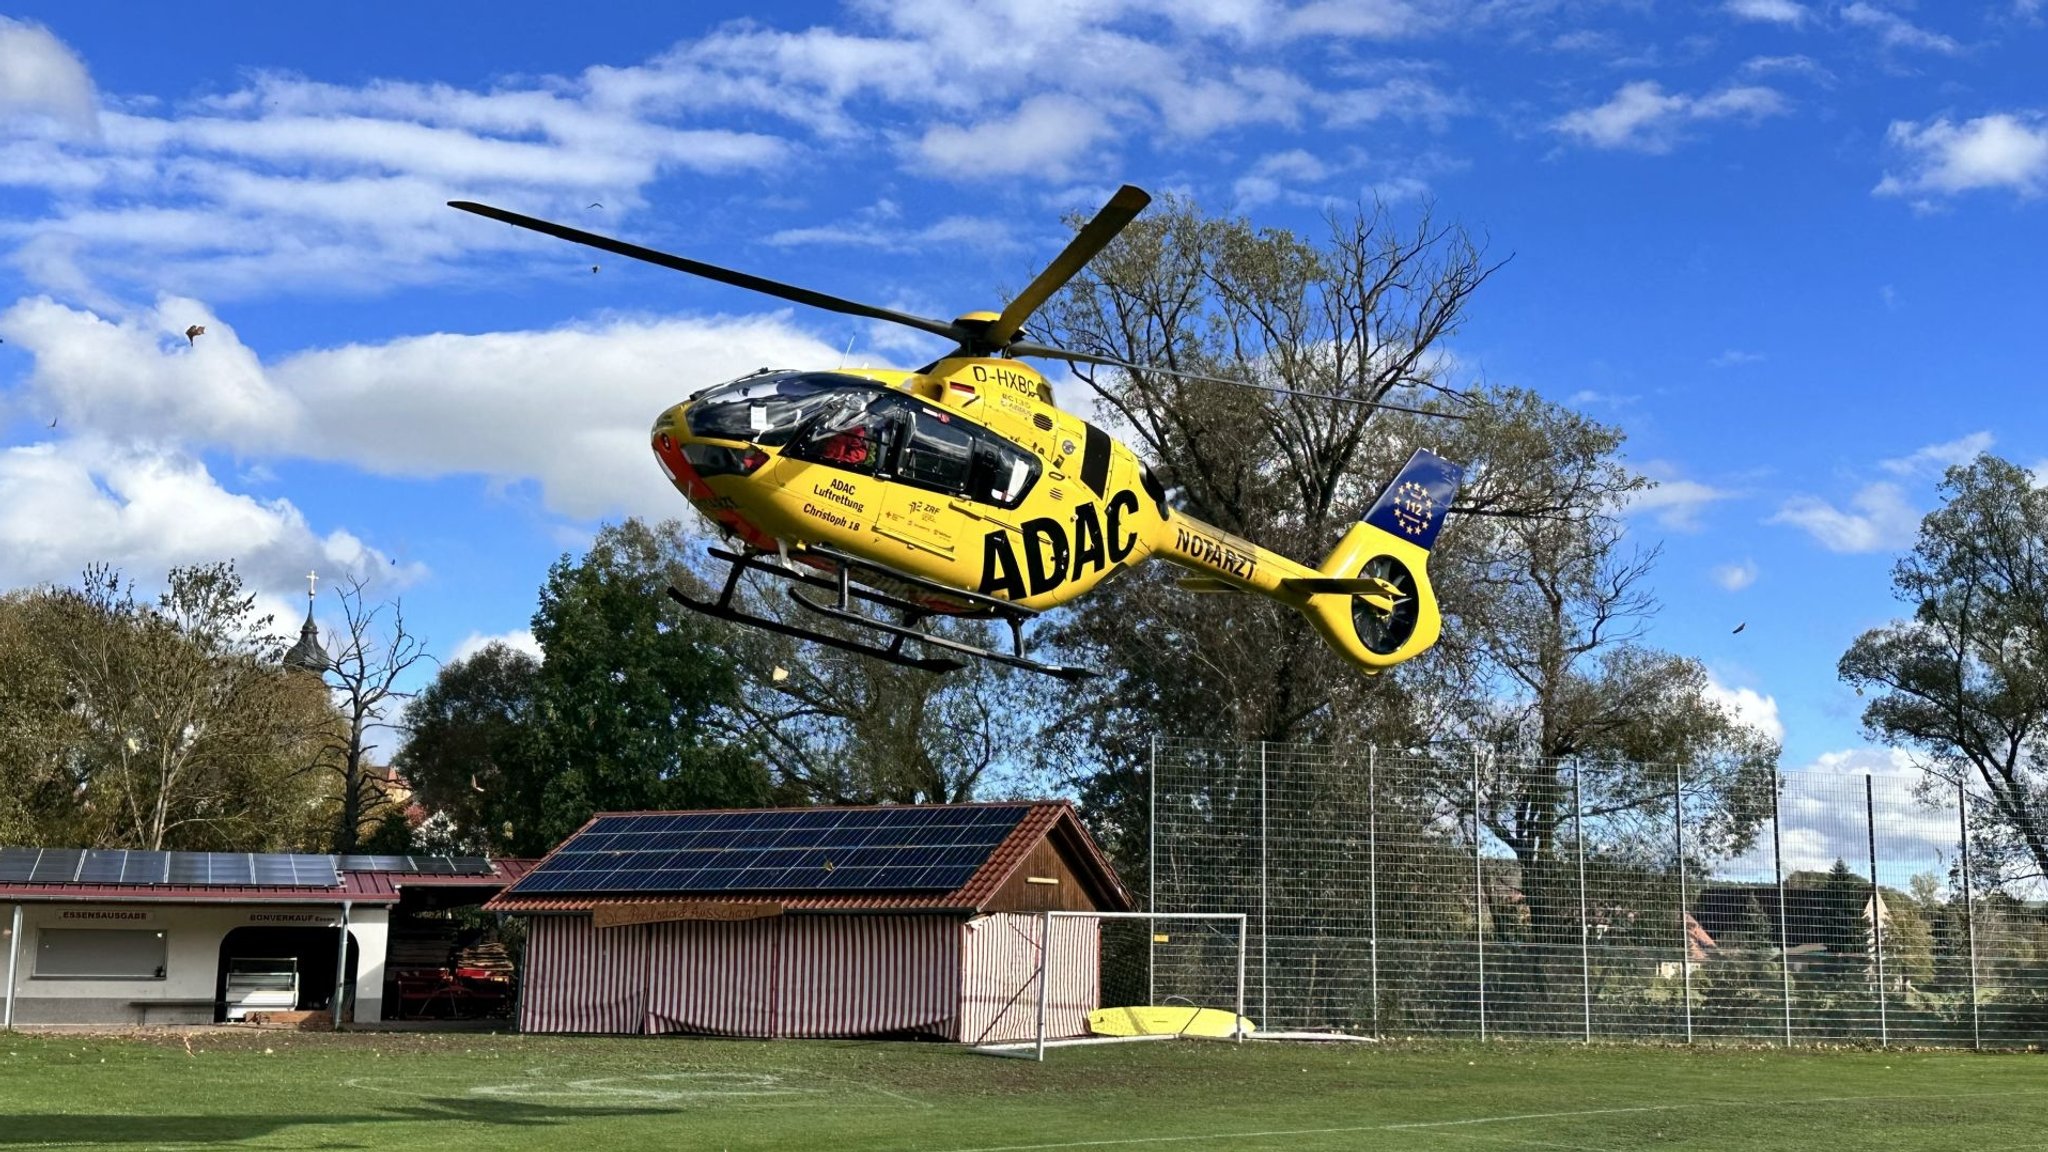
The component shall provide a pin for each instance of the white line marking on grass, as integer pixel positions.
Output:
(1425, 1125)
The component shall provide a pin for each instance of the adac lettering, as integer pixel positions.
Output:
(1056, 551)
(1215, 553)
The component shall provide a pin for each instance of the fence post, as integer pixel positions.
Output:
(1152, 866)
(1876, 907)
(1265, 921)
(1585, 922)
(1478, 894)
(1372, 875)
(1969, 910)
(1778, 872)
(1684, 936)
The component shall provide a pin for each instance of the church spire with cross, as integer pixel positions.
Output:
(308, 655)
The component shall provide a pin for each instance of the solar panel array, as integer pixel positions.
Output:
(119, 866)
(419, 865)
(247, 869)
(787, 850)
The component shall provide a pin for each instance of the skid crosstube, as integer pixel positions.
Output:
(840, 583)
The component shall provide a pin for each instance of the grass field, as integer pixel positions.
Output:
(400, 1091)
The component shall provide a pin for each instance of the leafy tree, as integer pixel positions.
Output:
(471, 751)
(40, 730)
(1358, 315)
(175, 725)
(837, 727)
(630, 688)
(1964, 683)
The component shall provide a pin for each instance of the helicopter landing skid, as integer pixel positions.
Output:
(838, 580)
(722, 609)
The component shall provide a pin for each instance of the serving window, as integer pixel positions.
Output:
(100, 954)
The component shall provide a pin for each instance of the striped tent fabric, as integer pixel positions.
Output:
(714, 978)
(579, 978)
(868, 976)
(999, 977)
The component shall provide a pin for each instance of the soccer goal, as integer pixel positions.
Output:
(1116, 977)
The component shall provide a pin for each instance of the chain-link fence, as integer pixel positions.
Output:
(1464, 892)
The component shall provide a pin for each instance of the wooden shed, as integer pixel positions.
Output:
(910, 920)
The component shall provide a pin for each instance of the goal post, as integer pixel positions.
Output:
(1114, 977)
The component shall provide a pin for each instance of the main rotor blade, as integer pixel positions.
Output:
(713, 272)
(1093, 237)
(1026, 348)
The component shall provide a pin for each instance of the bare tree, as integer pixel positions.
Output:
(365, 664)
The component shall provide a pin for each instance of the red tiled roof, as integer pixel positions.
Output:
(1045, 818)
(355, 887)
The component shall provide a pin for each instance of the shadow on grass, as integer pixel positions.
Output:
(157, 1130)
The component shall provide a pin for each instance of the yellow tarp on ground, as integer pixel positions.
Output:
(1166, 1020)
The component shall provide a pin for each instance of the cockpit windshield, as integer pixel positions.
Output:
(766, 409)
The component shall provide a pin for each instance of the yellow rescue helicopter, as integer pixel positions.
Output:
(960, 490)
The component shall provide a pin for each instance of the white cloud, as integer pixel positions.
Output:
(1362, 19)
(565, 408)
(519, 640)
(1046, 134)
(2002, 150)
(146, 510)
(1935, 458)
(1676, 504)
(1822, 814)
(1735, 358)
(1401, 98)
(40, 76)
(1895, 31)
(1768, 11)
(1795, 65)
(1735, 577)
(1879, 517)
(1642, 117)
(1748, 706)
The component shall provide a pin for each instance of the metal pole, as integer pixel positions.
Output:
(1784, 937)
(1152, 868)
(13, 951)
(1684, 934)
(1372, 875)
(1044, 975)
(1478, 894)
(1969, 911)
(341, 966)
(1585, 923)
(1884, 1031)
(1239, 1025)
(1265, 922)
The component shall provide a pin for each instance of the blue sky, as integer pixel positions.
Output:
(1793, 248)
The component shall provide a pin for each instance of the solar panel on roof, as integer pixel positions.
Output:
(16, 864)
(145, 867)
(57, 866)
(102, 867)
(911, 848)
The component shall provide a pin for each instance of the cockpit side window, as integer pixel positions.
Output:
(855, 431)
(1002, 472)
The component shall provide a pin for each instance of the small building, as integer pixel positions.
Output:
(900, 921)
(113, 937)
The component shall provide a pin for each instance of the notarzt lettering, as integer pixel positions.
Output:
(1215, 554)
